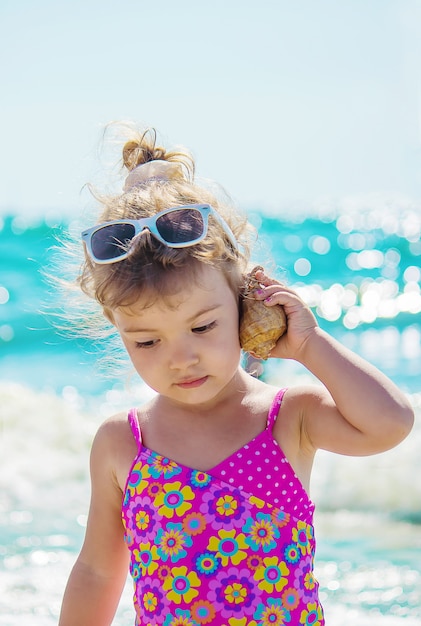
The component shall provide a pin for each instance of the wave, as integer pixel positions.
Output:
(47, 438)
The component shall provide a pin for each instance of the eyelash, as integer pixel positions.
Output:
(203, 329)
(145, 344)
(199, 330)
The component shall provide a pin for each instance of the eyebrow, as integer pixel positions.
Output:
(209, 309)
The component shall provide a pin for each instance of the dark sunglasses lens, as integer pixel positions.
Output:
(181, 226)
(111, 241)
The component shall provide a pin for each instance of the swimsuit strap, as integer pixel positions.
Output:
(272, 415)
(274, 409)
(134, 425)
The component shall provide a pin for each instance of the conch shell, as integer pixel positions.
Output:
(260, 326)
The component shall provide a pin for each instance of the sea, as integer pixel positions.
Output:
(357, 262)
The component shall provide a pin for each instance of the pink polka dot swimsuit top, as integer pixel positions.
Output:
(232, 546)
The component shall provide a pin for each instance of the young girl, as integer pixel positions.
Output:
(204, 491)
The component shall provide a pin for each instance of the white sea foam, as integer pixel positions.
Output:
(46, 440)
(366, 564)
(387, 482)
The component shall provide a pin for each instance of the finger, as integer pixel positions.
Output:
(263, 278)
(267, 291)
(286, 298)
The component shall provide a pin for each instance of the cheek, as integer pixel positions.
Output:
(141, 359)
(146, 367)
(228, 342)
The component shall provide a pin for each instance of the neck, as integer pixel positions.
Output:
(228, 401)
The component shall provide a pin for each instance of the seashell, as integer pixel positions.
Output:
(260, 326)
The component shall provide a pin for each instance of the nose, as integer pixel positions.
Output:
(182, 355)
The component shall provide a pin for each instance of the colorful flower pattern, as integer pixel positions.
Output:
(205, 552)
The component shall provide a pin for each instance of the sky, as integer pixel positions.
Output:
(281, 101)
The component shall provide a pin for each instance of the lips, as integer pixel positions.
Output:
(191, 383)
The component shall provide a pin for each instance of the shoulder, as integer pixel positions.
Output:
(111, 431)
(297, 404)
(302, 398)
(114, 448)
(290, 429)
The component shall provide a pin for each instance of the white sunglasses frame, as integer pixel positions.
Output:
(149, 223)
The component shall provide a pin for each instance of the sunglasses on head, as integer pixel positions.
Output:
(178, 227)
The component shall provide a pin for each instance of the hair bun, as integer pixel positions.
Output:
(153, 170)
(143, 150)
(145, 160)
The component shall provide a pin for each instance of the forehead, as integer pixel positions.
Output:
(207, 285)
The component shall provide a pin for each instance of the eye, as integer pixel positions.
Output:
(146, 344)
(203, 329)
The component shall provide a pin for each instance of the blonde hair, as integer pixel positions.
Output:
(153, 269)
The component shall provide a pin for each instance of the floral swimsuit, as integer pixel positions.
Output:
(233, 546)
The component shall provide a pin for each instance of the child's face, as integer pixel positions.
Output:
(186, 348)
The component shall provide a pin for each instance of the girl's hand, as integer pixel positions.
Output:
(301, 321)
(358, 410)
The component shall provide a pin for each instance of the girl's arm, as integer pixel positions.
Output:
(360, 411)
(98, 576)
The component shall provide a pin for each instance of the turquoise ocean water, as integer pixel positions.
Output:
(358, 266)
